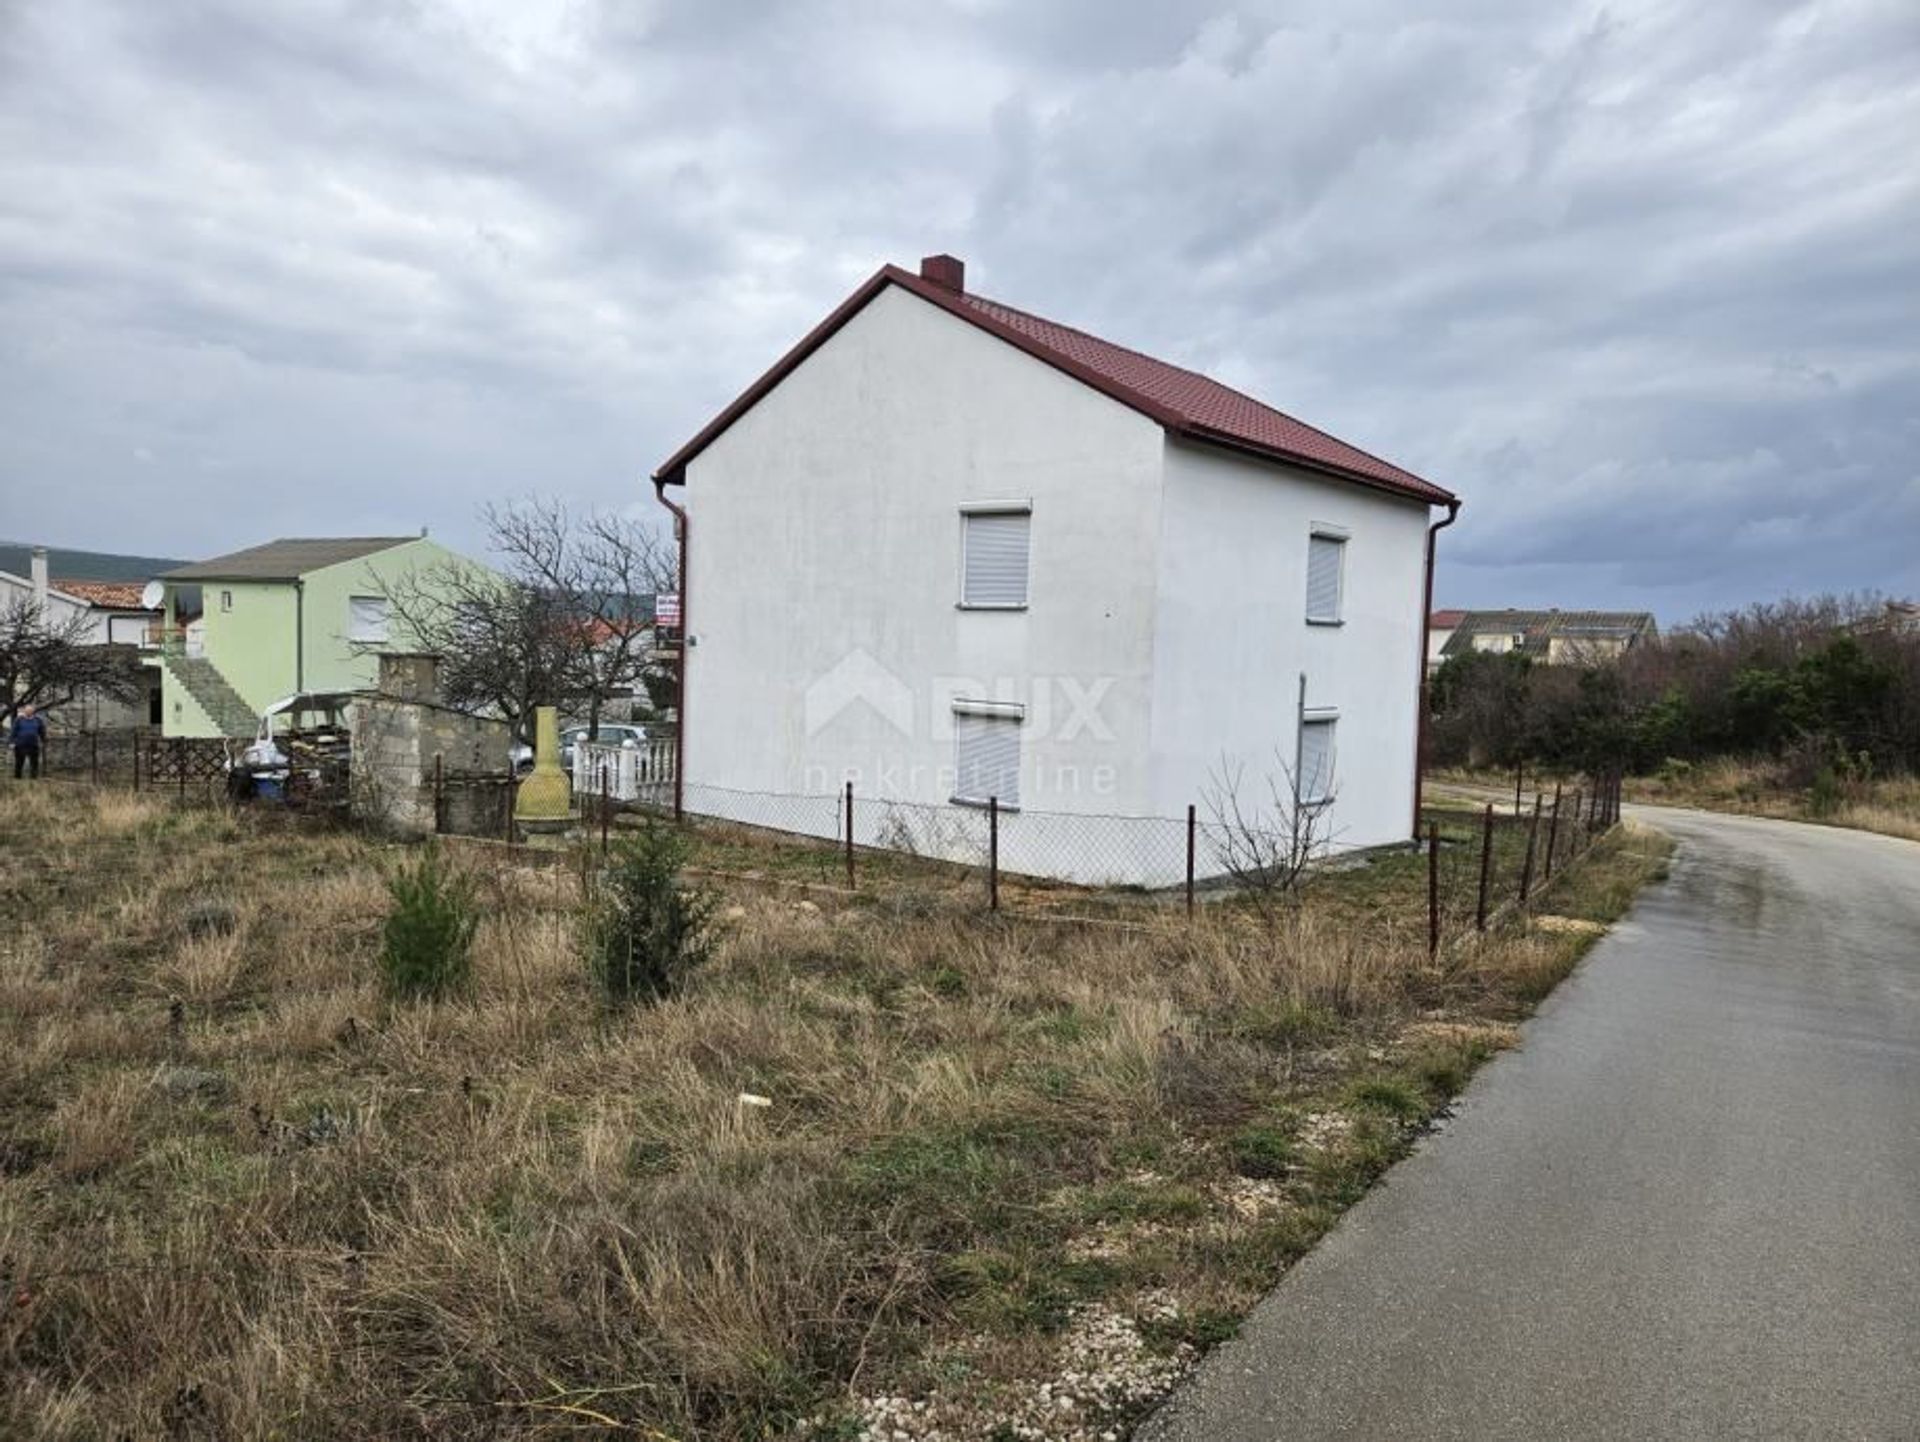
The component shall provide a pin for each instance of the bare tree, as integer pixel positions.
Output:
(46, 662)
(566, 620)
(503, 646)
(603, 570)
(1264, 846)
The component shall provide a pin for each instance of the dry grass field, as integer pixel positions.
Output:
(1011, 1178)
(1890, 805)
(1887, 804)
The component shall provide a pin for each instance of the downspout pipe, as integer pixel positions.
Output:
(1425, 692)
(680, 526)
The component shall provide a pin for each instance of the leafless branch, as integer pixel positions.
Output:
(47, 662)
(566, 621)
(1264, 848)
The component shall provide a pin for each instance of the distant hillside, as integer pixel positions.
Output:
(65, 565)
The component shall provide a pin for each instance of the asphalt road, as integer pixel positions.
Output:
(1687, 1207)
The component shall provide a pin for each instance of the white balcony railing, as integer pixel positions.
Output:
(173, 641)
(642, 772)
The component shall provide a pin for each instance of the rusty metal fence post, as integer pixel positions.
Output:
(849, 838)
(1553, 834)
(993, 852)
(136, 763)
(606, 805)
(1486, 870)
(1519, 776)
(1533, 836)
(180, 764)
(94, 767)
(1433, 888)
(1573, 830)
(1192, 829)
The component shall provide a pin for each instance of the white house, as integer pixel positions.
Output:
(955, 553)
(115, 613)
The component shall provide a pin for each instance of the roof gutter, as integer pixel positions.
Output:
(1426, 639)
(660, 484)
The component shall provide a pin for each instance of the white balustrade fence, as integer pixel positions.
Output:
(642, 772)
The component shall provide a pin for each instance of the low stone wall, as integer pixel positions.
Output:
(395, 741)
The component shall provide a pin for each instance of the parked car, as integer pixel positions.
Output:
(610, 734)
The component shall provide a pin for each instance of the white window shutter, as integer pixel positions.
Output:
(367, 618)
(1316, 760)
(986, 753)
(1324, 557)
(995, 551)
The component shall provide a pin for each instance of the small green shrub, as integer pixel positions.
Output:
(1446, 1067)
(1262, 1150)
(648, 933)
(1825, 795)
(1396, 1096)
(1285, 1023)
(1207, 1327)
(426, 949)
(947, 981)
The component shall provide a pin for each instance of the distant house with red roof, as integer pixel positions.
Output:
(1440, 628)
(102, 613)
(956, 553)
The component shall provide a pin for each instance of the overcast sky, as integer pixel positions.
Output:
(1640, 281)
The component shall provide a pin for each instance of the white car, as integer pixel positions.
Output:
(610, 734)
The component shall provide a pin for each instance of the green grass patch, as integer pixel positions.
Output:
(1263, 1150)
(1399, 1097)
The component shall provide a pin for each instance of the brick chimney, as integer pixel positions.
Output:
(947, 271)
(409, 676)
(38, 569)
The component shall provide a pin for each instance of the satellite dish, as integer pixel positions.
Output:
(153, 597)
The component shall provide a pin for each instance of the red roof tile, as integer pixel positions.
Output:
(1185, 402)
(116, 595)
(1446, 620)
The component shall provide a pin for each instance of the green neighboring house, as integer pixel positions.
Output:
(286, 617)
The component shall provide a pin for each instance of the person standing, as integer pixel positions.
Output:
(29, 731)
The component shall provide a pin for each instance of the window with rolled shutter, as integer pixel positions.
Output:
(986, 756)
(1325, 556)
(1316, 760)
(994, 558)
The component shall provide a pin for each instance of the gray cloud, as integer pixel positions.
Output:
(1637, 281)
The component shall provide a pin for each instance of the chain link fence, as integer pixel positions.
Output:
(1477, 866)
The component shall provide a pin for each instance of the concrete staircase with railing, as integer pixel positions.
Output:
(214, 694)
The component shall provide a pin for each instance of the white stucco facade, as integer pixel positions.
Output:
(105, 624)
(1163, 639)
(1234, 644)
